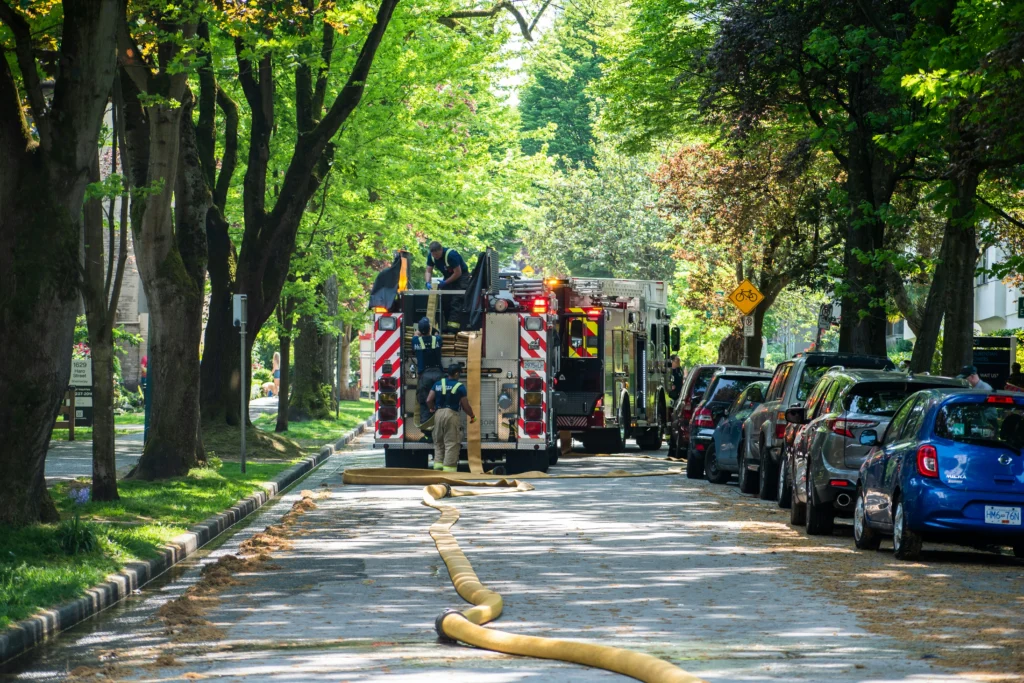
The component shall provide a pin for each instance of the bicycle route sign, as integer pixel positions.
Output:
(745, 297)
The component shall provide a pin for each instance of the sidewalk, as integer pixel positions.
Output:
(73, 459)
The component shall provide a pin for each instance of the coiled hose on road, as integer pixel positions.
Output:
(467, 626)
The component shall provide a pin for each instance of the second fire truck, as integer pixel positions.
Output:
(615, 371)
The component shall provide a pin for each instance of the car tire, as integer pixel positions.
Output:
(694, 465)
(766, 485)
(748, 480)
(906, 544)
(797, 510)
(1018, 550)
(784, 486)
(716, 475)
(821, 517)
(864, 537)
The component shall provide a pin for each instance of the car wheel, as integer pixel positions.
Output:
(649, 439)
(784, 486)
(748, 480)
(766, 486)
(864, 537)
(1018, 550)
(716, 475)
(906, 544)
(797, 510)
(821, 517)
(694, 465)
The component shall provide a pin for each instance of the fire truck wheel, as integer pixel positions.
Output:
(517, 462)
(553, 453)
(414, 459)
(649, 439)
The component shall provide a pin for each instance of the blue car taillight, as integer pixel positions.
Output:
(927, 461)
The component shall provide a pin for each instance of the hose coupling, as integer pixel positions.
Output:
(447, 491)
(440, 628)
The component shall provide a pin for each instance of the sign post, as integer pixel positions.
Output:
(239, 314)
(746, 297)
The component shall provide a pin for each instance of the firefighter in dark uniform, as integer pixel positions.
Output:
(427, 345)
(454, 273)
(447, 398)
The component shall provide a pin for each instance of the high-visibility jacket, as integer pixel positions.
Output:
(449, 393)
(428, 351)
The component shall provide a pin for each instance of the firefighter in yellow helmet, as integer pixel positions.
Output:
(445, 400)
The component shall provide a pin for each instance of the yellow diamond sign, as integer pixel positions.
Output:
(527, 270)
(745, 297)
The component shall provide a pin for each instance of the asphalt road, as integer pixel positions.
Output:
(699, 574)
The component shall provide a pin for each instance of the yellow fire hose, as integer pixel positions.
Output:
(467, 626)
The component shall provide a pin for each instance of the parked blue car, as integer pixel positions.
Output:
(950, 467)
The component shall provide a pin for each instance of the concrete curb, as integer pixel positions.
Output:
(332, 448)
(28, 633)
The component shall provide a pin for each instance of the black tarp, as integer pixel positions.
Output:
(385, 286)
(471, 316)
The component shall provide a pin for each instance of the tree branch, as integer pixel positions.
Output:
(27, 63)
(999, 212)
(129, 56)
(526, 27)
(229, 160)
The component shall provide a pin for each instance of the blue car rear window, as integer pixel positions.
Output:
(989, 424)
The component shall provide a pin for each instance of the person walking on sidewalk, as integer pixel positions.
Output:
(445, 400)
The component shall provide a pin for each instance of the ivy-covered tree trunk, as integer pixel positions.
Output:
(730, 349)
(44, 171)
(311, 396)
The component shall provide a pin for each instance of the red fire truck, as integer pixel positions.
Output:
(615, 369)
(519, 353)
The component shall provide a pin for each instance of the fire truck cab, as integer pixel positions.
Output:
(615, 370)
(517, 326)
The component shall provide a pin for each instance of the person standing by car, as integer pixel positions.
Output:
(676, 385)
(970, 373)
(445, 400)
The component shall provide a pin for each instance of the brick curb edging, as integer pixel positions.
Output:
(27, 633)
(332, 448)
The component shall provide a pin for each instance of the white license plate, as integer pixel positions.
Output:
(1002, 515)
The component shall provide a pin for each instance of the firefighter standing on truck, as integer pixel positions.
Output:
(427, 345)
(454, 274)
(445, 400)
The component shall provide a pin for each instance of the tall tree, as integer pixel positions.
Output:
(271, 220)
(43, 177)
(170, 246)
(823, 67)
(559, 72)
(756, 213)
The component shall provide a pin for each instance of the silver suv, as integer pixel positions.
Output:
(791, 384)
(824, 460)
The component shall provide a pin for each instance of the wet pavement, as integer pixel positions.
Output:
(666, 565)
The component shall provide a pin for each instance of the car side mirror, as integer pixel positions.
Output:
(795, 415)
(869, 437)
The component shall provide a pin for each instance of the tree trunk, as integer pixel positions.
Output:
(958, 335)
(934, 308)
(311, 397)
(862, 327)
(345, 366)
(286, 352)
(730, 349)
(172, 260)
(42, 185)
(104, 465)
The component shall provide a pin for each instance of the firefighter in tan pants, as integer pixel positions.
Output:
(446, 398)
